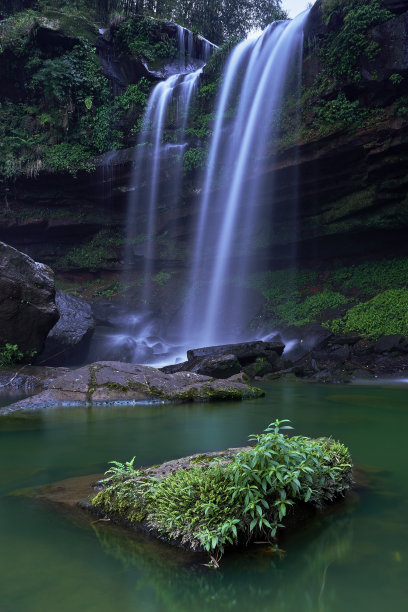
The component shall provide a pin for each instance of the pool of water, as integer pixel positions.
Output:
(354, 558)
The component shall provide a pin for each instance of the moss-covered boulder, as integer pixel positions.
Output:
(218, 500)
(114, 381)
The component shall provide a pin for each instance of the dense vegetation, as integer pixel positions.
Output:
(217, 20)
(368, 298)
(216, 503)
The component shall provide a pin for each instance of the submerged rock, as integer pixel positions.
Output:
(27, 300)
(114, 381)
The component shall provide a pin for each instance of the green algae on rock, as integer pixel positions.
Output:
(217, 500)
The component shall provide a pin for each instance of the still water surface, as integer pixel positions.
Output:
(355, 558)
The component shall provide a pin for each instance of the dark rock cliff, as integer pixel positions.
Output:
(352, 178)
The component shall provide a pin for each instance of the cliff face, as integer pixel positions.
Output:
(351, 166)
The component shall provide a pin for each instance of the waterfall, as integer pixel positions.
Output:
(231, 205)
(254, 84)
(170, 99)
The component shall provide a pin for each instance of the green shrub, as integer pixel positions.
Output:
(344, 47)
(218, 504)
(340, 110)
(10, 354)
(386, 313)
(396, 79)
(68, 157)
(136, 94)
(194, 158)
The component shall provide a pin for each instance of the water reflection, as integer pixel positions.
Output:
(268, 577)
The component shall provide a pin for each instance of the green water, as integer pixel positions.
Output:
(354, 559)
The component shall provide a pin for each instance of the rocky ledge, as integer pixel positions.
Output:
(114, 381)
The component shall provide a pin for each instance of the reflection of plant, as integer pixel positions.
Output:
(216, 505)
(272, 582)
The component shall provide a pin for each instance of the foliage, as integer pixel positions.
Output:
(200, 127)
(68, 157)
(96, 253)
(135, 94)
(194, 157)
(340, 111)
(10, 354)
(140, 36)
(299, 313)
(370, 277)
(221, 503)
(162, 278)
(396, 78)
(16, 31)
(345, 46)
(386, 313)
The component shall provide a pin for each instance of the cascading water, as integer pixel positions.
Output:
(256, 78)
(170, 97)
(169, 103)
(254, 83)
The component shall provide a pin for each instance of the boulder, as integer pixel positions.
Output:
(114, 381)
(218, 366)
(246, 352)
(394, 342)
(27, 300)
(226, 360)
(305, 338)
(68, 341)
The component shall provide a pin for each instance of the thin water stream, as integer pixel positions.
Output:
(355, 558)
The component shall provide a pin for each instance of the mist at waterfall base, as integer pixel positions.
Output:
(217, 307)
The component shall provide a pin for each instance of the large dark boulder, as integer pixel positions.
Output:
(27, 300)
(226, 360)
(246, 352)
(68, 341)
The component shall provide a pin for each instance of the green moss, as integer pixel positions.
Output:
(103, 249)
(117, 387)
(386, 313)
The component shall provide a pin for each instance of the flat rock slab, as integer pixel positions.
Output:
(114, 381)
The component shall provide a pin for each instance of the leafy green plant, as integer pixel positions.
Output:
(340, 111)
(10, 354)
(194, 158)
(136, 94)
(68, 157)
(396, 78)
(344, 46)
(217, 504)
